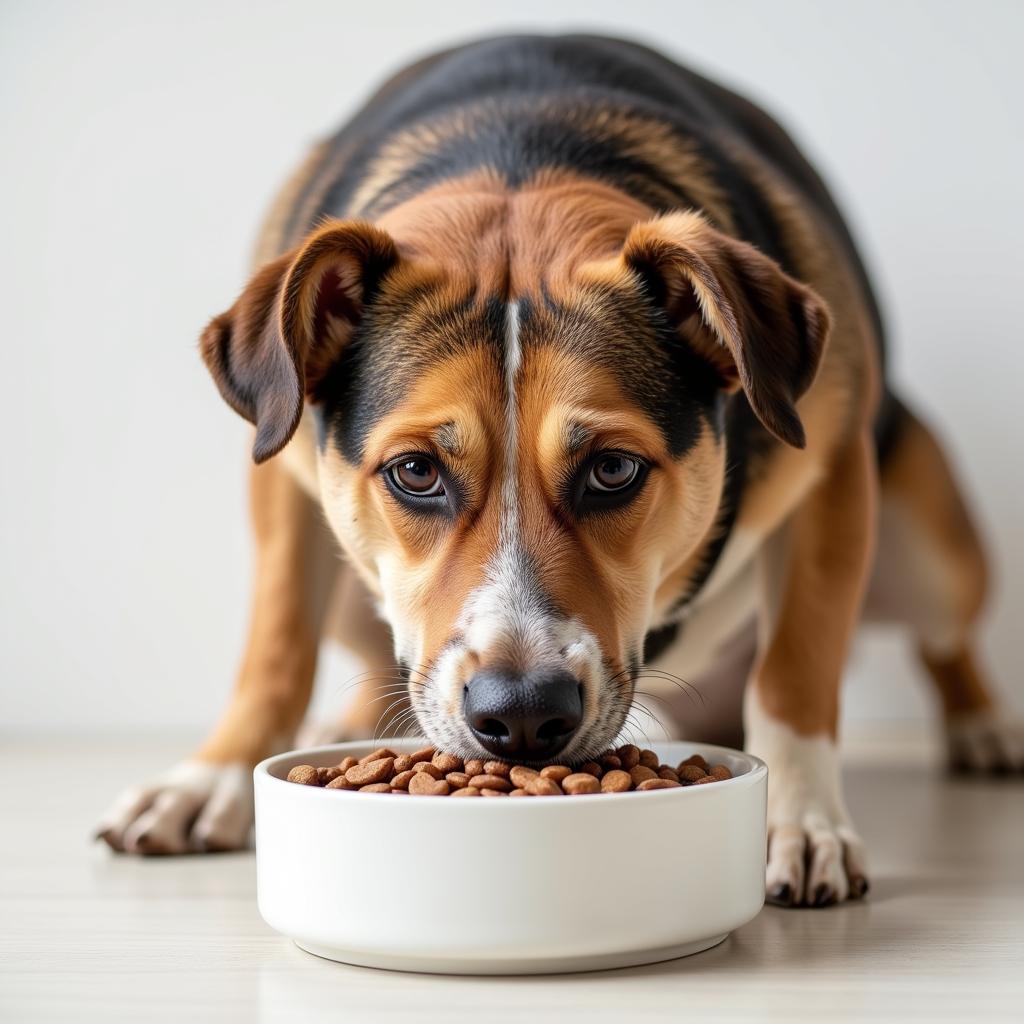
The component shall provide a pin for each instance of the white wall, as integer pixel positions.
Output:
(140, 142)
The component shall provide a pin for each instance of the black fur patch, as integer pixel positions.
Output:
(660, 640)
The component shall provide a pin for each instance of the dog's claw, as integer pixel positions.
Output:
(148, 846)
(108, 836)
(781, 895)
(824, 896)
(859, 887)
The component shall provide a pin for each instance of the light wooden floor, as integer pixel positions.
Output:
(88, 936)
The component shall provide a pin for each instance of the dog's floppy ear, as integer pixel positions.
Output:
(272, 347)
(761, 329)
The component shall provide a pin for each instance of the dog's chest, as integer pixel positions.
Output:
(725, 604)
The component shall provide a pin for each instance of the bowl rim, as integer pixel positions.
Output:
(754, 776)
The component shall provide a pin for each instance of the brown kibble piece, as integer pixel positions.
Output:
(591, 768)
(457, 780)
(339, 783)
(348, 762)
(648, 784)
(540, 786)
(491, 791)
(366, 773)
(556, 772)
(521, 775)
(378, 755)
(616, 781)
(424, 784)
(447, 763)
(519, 792)
(649, 759)
(402, 779)
(641, 773)
(403, 763)
(474, 766)
(720, 772)
(429, 768)
(696, 759)
(467, 791)
(498, 768)
(691, 773)
(325, 775)
(666, 771)
(305, 775)
(375, 787)
(488, 781)
(426, 754)
(580, 784)
(706, 780)
(629, 756)
(610, 762)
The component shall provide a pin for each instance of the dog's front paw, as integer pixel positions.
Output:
(194, 807)
(815, 857)
(989, 742)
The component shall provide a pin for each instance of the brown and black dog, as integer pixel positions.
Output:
(574, 353)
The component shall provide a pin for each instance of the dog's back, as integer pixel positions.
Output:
(607, 108)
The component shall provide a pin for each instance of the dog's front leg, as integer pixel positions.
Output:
(813, 573)
(205, 802)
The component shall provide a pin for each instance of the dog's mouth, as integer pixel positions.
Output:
(564, 730)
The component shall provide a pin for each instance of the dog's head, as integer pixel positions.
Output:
(523, 457)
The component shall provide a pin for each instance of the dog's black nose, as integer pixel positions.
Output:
(530, 716)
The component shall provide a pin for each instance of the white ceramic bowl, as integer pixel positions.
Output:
(529, 886)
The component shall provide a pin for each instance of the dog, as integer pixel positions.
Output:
(572, 353)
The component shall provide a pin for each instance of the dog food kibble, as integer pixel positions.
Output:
(580, 783)
(367, 773)
(424, 784)
(304, 775)
(431, 772)
(616, 781)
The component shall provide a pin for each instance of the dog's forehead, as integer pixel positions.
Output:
(410, 340)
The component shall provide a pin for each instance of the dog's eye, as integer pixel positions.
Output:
(418, 476)
(611, 472)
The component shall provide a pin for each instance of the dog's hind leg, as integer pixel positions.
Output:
(206, 801)
(930, 573)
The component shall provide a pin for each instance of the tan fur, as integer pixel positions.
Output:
(511, 241)
(814, 577)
